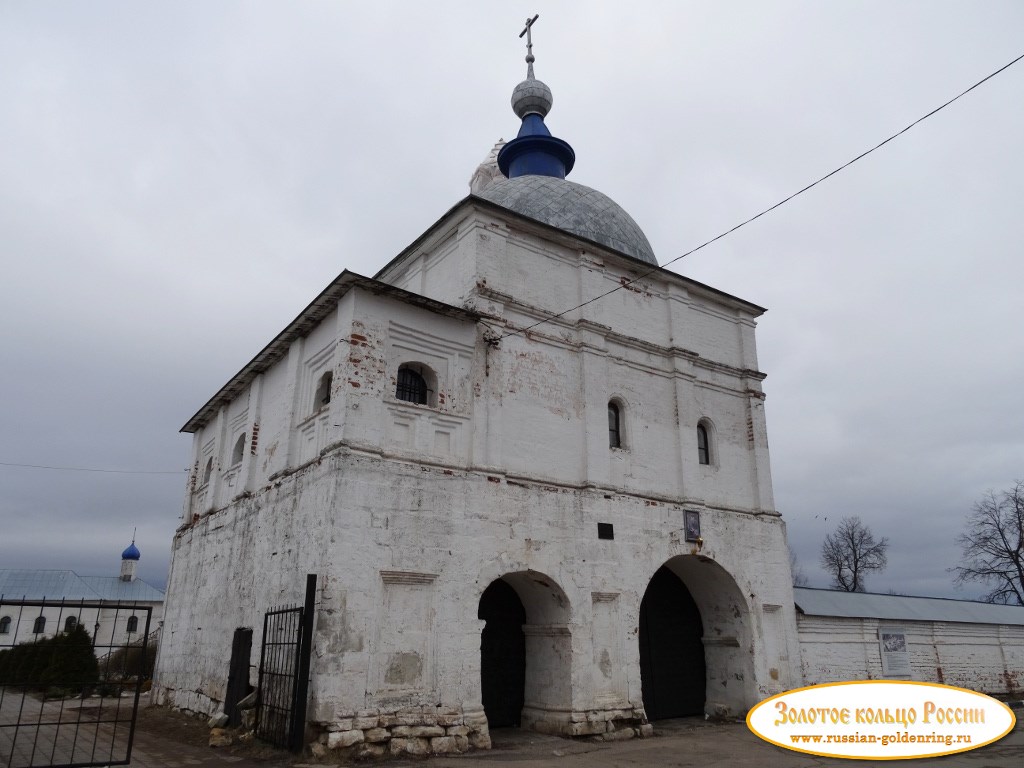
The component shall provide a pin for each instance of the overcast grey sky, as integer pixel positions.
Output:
(177, 180)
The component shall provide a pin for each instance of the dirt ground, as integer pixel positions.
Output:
(192, 730)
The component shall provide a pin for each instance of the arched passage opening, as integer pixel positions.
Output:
(502, 655)
(695, 642)
(672, 671)
(525, 650)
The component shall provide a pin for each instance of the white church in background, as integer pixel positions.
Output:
(523, 507)
(119, 618)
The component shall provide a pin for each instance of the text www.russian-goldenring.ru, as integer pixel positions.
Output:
(885, 739)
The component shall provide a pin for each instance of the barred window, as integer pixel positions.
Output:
(70, 623)
(39, 625)
(412, 386)
(5, 625)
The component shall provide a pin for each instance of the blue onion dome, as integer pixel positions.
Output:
(131, 553)
(532, 183)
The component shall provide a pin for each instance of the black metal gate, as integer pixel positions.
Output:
(70, 677)
(284, 672)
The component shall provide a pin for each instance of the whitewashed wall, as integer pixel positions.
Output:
(408, 512)
(981, 657)
(106, 626)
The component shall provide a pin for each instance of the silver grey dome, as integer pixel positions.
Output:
(532, 96)
(574, 208)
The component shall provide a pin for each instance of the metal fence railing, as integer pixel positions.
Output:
(284, 672)
(71, 673)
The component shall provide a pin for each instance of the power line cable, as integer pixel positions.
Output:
(624, 283)
(90, 469)
(627, 283)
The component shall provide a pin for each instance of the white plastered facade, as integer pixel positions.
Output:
(407, 513)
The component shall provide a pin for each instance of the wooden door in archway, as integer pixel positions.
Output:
(672, 669)
(502, 655)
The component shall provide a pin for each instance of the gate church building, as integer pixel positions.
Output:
(519, 512)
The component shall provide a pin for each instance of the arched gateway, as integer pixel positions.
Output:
(525, 647)
(671, 649)
(502, 655)
(695, 640)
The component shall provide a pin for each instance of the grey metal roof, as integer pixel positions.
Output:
(112, 588)
(28, 584)
(827, 602)
(573, 208)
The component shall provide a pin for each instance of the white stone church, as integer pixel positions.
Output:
(523, 508)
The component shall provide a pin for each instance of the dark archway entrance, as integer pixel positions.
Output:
(672, 670)
(502, 655)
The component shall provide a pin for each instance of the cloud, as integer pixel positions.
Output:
(179, 180)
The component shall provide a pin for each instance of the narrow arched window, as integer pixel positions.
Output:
(703, 446)
(5, 625)
(70, 623)
(322, 396)
(133, 623)
(39, 625)
(412, 386)
(208, 471)
(614, 426)
(239, 450)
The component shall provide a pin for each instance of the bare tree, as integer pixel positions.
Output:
(799, 577)
(993, 546)
(851, 552)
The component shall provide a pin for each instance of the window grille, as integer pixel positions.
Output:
(412, 387)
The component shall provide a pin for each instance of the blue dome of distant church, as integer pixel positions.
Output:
(532, 181)
(131, 553)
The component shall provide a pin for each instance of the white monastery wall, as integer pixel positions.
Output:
(981, 657)
(107, 626)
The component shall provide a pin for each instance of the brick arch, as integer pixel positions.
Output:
(726, 632)
(547, 645)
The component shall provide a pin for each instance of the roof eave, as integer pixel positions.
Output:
(651, 269)
(305, 321)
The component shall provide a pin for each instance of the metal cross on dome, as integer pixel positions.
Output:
(529, 42)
